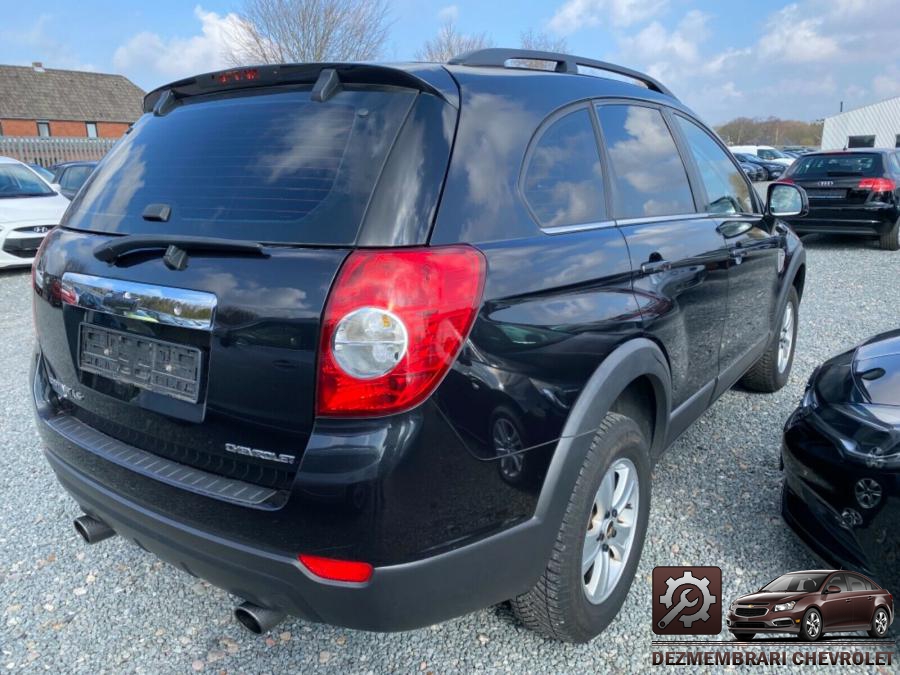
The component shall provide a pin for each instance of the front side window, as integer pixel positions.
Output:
(650, 177)
(839, 581)
(726, 189)
(563, 183)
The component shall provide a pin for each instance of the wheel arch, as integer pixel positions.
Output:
(634, 369)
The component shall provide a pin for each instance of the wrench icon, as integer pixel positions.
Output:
(680, 605)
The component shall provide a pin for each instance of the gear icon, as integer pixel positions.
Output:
(701, 584)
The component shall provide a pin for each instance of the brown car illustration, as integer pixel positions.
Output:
(811, 603)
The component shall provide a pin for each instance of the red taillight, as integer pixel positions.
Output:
(337, 570)
(433, 292)
(877, 184)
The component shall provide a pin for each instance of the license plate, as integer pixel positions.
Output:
(827, 194)
(155, 365)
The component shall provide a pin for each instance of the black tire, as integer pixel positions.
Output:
(558, 607)
(880, 618)
(890, 240)
(765, 375)
(743, 637)
(812, 627)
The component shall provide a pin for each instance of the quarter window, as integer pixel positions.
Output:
(650, 178)
(563, 183)
(726, 189)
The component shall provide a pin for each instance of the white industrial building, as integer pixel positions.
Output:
(872, 126)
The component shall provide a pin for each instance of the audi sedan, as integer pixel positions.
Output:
(812, 602)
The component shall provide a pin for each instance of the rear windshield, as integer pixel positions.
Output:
(837, 165)
(270, 167)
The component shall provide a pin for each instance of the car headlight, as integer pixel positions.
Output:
(785, 606)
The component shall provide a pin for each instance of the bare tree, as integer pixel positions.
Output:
(449, 43)
(289, 31)
(542, 42)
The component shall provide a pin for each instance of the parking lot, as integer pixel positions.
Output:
(114, 608)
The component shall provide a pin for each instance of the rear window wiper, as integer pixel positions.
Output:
(112, 250)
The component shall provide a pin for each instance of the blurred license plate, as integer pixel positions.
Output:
(157, 366)
(835, 193)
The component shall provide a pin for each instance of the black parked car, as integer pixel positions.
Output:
(278, 359)
(841, 460)
(772, 170)
(851, 192)
(755, 172)
(70, 176)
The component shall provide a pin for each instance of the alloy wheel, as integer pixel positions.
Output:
(608, 542)
(813, 624)
(881, 622)
(786, 338)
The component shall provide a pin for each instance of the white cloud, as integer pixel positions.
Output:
(40, 46)
(175, 57)
(680, 44)
(887, 84)
(574, 15)
(448, 14)
(792, 35)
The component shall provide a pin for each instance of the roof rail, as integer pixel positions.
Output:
(565, 63)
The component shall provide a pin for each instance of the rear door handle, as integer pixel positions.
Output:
(656, 266)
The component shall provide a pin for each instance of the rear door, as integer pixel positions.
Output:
(862, 598)
(754, 260)
(210, 361)
(680, 260)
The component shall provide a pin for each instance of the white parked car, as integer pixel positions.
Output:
(29, 208)
(765, 152)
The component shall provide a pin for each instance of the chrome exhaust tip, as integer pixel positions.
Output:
(257, 619)
(92, 530)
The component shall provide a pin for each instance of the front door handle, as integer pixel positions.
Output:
(656, 266)
(847, 600)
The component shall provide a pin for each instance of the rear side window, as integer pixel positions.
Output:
(726, 189)
(650, 177)
(867, 165)
(563, 183)
(74, 177)
(270, 167)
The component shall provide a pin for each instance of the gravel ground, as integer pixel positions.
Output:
(114, 608)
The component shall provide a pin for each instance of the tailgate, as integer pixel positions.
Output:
(195, 365)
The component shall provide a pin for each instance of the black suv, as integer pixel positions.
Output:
(381, 345)
(850, 192)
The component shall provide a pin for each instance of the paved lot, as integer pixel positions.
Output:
(114, 608)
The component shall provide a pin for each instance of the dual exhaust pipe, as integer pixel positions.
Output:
(257, 620)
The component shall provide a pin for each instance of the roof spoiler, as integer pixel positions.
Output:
(565, 63)
(294, 73)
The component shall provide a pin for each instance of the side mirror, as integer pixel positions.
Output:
(786, 199)
(833, 589)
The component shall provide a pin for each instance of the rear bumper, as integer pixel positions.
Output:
(250, 550)
(398, 597)
(872, 220)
